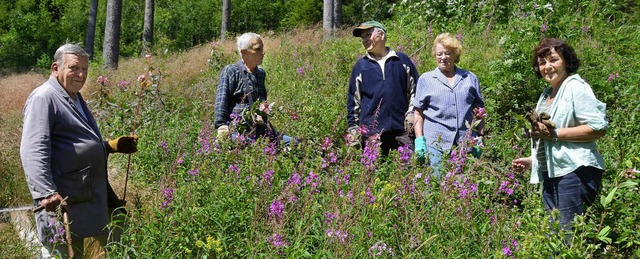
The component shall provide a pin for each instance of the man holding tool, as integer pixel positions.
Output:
(65, 158)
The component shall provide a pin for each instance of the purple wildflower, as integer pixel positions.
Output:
(181, 159)
(312, 181)
(276, 240)
(194, 172)
(295, 179)
(270, 149)
(379, 249)
(234, 169)
(543, 28)
(57, 230)
(405, 154)
(329, 216)
(585, 29)
(370, 154)
(123, 85)
(346, 178)
(276, 209)
(372, 198)
(341, 235)
(103, 80)
(482, 113)
(326, 144)
(300, 71)
(266, 177)
(507, 251)
(204, 139)
(165, 147)
(168, 197)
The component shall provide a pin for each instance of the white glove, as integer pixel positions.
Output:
(223, 131)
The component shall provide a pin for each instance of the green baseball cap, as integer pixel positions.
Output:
(367, 25)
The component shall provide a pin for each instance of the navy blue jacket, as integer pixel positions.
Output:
(379, 101)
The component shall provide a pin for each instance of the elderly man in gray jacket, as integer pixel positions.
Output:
(65, 158)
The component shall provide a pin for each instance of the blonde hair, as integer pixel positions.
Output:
(450, 42)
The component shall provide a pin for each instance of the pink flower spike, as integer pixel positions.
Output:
(141, 78)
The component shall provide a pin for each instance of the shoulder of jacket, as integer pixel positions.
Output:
(576, 82)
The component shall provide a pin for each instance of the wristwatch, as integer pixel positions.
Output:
(554, 135)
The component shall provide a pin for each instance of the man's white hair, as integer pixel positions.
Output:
(244, 41)
(68, 48)
(378, 30)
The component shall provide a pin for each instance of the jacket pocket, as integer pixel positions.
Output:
(77, 186)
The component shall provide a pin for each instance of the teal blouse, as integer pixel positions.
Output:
(574, 105)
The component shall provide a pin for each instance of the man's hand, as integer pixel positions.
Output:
(420, 144)
(353, 136)
(52, 202)
(408, 123)
(223, 131)
(124, 144)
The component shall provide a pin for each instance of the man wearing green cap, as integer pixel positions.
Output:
(381, 90)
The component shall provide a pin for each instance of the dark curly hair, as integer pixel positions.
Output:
(563, 49)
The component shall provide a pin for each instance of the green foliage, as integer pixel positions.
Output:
(29, 30)
(216, 198)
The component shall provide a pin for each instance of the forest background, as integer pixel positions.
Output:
(191, 195)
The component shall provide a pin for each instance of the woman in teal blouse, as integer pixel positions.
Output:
(565, 158)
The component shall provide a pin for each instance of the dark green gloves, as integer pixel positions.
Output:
(124, 144)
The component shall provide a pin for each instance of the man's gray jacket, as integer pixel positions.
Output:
(63, 152)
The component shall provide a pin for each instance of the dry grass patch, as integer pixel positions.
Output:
(14, 90)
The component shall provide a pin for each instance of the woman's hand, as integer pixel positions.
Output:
(523, 163)
(541, 131)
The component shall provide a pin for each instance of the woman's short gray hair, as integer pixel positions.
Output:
(68, 48)
(244, 41)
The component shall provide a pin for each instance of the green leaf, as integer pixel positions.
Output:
(628, 163)
(602, 236)
(606, 200)
(628, 184)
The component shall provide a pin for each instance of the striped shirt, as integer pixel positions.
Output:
(238, 87)
(541, 155)
(446, 107)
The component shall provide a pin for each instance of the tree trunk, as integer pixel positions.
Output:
(327, 15)
(337, 14)
(226, 13)
(91, 28)
(147, 32)
(327, 18)
(111, 48)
